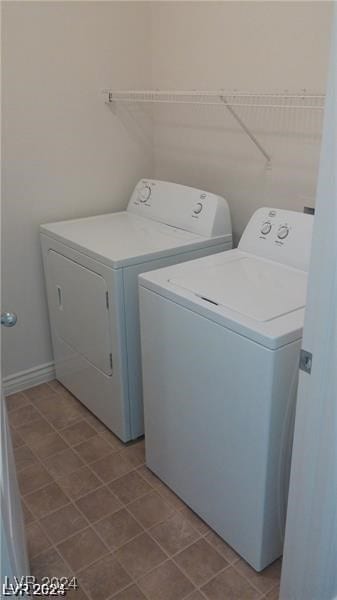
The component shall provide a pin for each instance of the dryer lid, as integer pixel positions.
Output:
(121, 239)
(258, 289)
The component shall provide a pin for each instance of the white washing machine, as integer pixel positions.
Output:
(91, 268)
(221, 339)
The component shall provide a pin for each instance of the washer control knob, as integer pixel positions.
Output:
(198, 208)
(283, 232)
(266, 228)
(144, 193)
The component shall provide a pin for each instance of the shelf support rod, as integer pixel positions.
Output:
(246, 130)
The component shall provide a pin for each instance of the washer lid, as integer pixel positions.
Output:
(258, 289)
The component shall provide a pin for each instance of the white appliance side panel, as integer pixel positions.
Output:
(14, 557)
(105, 395)
(132, 326)
(80, 308)
(214, 405)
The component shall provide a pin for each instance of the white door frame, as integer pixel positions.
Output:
(310, 551)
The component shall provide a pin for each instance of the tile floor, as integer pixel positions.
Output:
(93, 510)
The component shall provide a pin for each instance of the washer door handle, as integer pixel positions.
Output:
(8, 319)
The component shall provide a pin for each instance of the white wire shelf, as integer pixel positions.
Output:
(232, 101)
(284, 100)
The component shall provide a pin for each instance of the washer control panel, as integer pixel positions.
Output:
(182, 207)
(281, 235)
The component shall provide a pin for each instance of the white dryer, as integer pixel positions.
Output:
(91, 267)
(221, 339)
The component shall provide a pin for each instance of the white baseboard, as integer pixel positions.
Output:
(26, 379)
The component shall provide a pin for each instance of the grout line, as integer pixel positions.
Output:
(255, 586)
(169, 557)
(40, 461)
(29, 422)
(100, 479)
(55, 479)
(47, 514)
(108, 514)
(158, 487)
(144, 531)
(109, 553)
(72, 534)
(123, 507)
(75, 573)
(92, 527)
(138, 497)
(50, 422)
(90, 465)
(114, 595)
(44, 460)
(55, 430)
(188, 576)
(72, 502)
(88, 526)
(213, 577)
(91, 524)
(154, 486)
(96, 459)
(113, 551)
(137, 579)
(24, 392)
(123, 589)
(100, 484)
(232, 562)
(202, 535)
(61, 433)
(250, 582)
(172, 556)
(20, 469)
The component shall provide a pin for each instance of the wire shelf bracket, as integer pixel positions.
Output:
(230, 100)
(246, 129)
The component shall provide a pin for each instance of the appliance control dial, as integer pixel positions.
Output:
(198, 208)
(283, 232)
(266, 228)
(144, 193)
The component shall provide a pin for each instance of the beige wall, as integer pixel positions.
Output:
(64, 153)
(248, 46)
